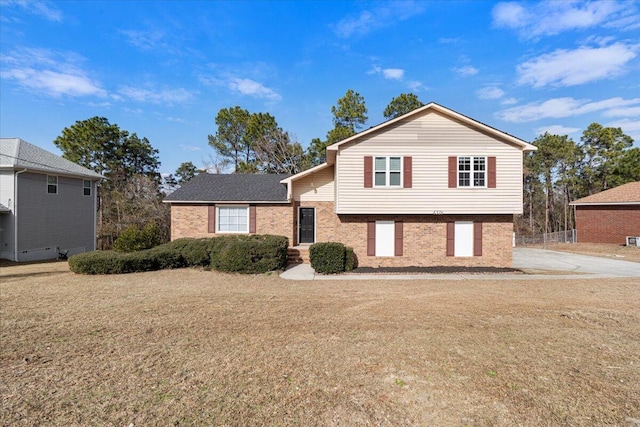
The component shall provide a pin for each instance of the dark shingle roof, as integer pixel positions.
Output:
(232, 188)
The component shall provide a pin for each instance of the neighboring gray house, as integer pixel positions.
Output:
(47, 203)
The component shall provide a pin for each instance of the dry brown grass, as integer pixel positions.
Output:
(606, 250)
(189, 347)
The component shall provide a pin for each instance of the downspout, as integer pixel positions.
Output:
(15, 214)
(95, 213)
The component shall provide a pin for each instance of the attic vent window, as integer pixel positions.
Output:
(52, 184)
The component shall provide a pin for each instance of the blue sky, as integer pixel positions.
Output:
(164, 69)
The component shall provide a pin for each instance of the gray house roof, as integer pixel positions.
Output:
(18, 154)
(231, 188)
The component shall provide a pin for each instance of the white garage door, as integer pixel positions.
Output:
(463, 238)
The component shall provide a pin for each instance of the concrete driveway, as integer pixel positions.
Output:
(540, 259)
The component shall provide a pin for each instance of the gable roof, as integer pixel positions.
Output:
(207, 188)
(525, 146)
(18, 154)
(626, 194)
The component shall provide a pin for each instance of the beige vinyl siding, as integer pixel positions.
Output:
(429, 139)
(316, 187)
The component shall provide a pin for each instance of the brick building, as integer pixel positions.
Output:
(429, 188)
(609, 216)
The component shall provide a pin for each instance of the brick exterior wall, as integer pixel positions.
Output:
(192, 221)
(607, 224)
(424, 237)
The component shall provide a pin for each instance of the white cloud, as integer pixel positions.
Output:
(547, 18)
(556, 130)
(573, 67)
(164, 96)
(252, 88)
(490, 92)
(383, 15)
(563, 107)
(393, 73)
(633, 111)
(44, 9)
(466, 70)
(509, 101)
(387, 73)
(50, 72)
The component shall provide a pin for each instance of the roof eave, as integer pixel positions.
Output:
(228, 202)
(602, 203)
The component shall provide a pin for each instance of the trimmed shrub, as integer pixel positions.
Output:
(242, 254)
(350, 260)
(249, 254)
(328, 257)
(133, 238)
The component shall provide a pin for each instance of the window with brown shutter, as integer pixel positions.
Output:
(368, 172)
(398, 238)
(451, 227)
(252, 219)
(212, 219)
(371, 238)
(408, 172)
(477, 239)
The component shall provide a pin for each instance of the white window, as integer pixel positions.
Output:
(463, 238)
(86, 187)
(472, 171)
(388, 172)
(52, 184)
(233, 219)
(385, 238)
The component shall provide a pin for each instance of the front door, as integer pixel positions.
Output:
(306, 225)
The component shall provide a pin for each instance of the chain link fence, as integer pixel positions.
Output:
(567, 236)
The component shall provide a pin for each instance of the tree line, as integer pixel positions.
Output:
(244, 142)
(563, 170)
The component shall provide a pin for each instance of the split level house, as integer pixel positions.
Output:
(47, 203)
(430, 188)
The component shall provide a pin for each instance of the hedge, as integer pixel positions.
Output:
(331, 257)
(242, 254)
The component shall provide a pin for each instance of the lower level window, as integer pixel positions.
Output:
(233, 219)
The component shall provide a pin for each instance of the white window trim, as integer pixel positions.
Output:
(56, 184)
(218, 231)
(472, 171)
(387, 172)
(85, 187)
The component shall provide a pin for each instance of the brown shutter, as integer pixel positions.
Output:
(212, 219)
(368, 172)
(451, 228)
(408, 173)
(477, 239)
(453, 172)
(371, 238)
(398, 239)
(492, 172)
(252, 219)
